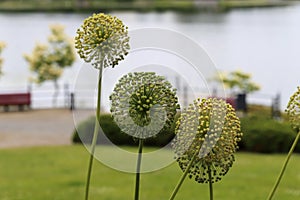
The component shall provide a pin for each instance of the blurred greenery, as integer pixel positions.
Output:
(240, 81)
(229, 4)
(59, 173)
(114, 134)
(138, 5)
(264, 134)
(261, 133)
(94, 5)
(47, 61)
(2, 46)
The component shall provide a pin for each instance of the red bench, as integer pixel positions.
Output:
(15, 99)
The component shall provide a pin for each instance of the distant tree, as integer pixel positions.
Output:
(240, 81)
(47, 61)
(2, 46)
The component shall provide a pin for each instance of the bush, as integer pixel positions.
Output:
(266, 135)
(115, 135)
(261, 134)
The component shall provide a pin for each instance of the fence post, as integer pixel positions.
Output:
(241, 103)
(72, 101)
(29, 90)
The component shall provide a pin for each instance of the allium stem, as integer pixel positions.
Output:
(211, 193)
(138, 170)
(284, 167)
(183, 176)
(95, 135)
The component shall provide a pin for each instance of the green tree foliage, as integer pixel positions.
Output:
(47, 61)
(240, 81)
(2, 46)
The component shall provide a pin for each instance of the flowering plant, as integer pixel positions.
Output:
(142, 104)
(207, 135)
(293, 112)
(103, 41)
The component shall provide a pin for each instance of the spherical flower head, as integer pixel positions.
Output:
(210, 130)
(102, 40)
(293, 110)
(143, 103)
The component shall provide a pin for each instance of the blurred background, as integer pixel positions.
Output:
(260, 38)
(254, 46)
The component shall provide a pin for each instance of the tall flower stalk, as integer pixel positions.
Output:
(293, 111)
(207, 135)
(103, 41)
(142, 104)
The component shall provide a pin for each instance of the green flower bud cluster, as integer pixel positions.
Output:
(210, 130)
(293, 110)
(102, 40)
(142, 103)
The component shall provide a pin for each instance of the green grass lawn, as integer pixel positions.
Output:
(59, 173)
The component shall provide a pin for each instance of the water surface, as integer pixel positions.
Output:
(264, 42)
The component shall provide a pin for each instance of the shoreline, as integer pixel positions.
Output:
(70, 6)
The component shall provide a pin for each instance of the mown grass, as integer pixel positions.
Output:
(56, 173)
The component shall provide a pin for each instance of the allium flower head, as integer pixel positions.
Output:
(210, 130)
(293, 110)
(102, 40)
(143, 103)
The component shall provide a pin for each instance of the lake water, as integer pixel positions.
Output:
(264, 42)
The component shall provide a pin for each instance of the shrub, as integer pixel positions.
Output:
(261, 134)
(115, 135)
(266, 135)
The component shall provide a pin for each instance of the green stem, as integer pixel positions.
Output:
(211, 193)
(95, 136)
(284, 167)
(183, 176)
(138, 170)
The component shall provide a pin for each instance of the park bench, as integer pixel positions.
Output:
(15, 99)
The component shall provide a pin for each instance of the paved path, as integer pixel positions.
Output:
(39, 127)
